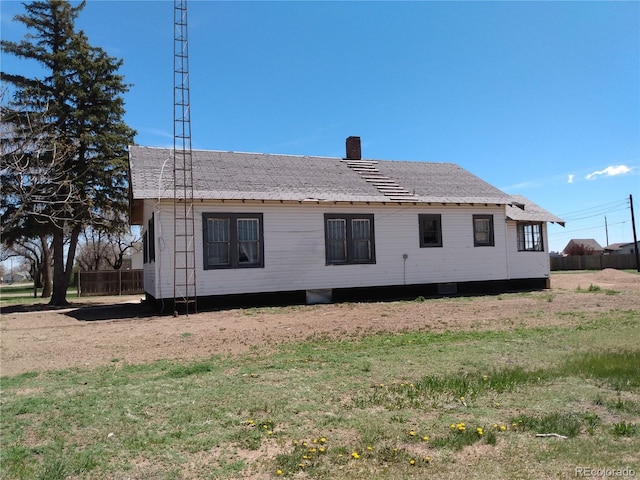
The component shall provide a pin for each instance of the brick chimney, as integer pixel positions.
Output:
(354, 151)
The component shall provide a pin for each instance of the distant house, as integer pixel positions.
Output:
(297, 224)
(621, 248)
(15, 276)
(583, 246)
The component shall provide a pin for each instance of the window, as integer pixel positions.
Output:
(483, 231)
(149, 242)
(152, 238)
(349, 239)
(530, 237)
(145, 248)
(430, 230)
(233, 240)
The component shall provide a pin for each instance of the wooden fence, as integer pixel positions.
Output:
(593, 262)
(110, 282)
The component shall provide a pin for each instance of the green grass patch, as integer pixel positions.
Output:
(396, 401)
(561, 423)
(620, 369)
(597, 289)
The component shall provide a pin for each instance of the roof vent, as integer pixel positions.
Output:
(354, 151)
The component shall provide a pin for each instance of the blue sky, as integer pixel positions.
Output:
(537, 98)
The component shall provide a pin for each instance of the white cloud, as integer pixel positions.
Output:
(570, 179)
(609, 171)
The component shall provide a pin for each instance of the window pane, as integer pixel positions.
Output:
(336, 240)
(247, 229)
(482, 231)
(248, 240)
(530, 237)
(218, 253)
(218, 245)
(361, 234)
(218, 229)
(430, 229)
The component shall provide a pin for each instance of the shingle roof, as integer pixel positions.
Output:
(586, 242)
(525, 210)
(257, 176)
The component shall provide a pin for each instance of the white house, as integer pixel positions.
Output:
(299, 225)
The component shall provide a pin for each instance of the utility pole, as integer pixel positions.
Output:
(635, 238)
(606, 229)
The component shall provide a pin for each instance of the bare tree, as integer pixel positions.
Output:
(103, 249)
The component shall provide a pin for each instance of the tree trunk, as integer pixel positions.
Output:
(62, 272)
(59, 295)
(71, 253)
(45, 268)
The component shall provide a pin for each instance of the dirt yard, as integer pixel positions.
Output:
(100, 333)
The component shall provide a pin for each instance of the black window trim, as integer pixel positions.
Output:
(233, 240)
(430, 216)
(521, 241)
(152, 238)
(349, 217)
(491, 242)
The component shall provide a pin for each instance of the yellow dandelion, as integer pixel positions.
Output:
(412, 433)
(495, 425)
(304, 444)
(312, 450)
(323, 440)
(427, 459)
(412, 462)
(315, 440)
(369, 448)
(503, 428)
(278, 472)
(425, 439)
(321, 449)
(479, 430)
(270, 432)
(453, 426)
(355, 455)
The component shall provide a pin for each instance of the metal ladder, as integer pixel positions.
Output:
(184, 257)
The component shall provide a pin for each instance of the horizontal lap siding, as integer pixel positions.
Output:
(294, 250)
(527, 264)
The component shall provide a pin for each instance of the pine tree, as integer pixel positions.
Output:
(67, 137)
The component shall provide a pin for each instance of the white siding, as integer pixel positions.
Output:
(294, 250)
(527, 264)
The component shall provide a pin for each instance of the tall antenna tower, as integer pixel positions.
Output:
(184, 257)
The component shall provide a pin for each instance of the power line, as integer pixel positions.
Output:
(571, 232)
(598, 214)
(596, 211)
